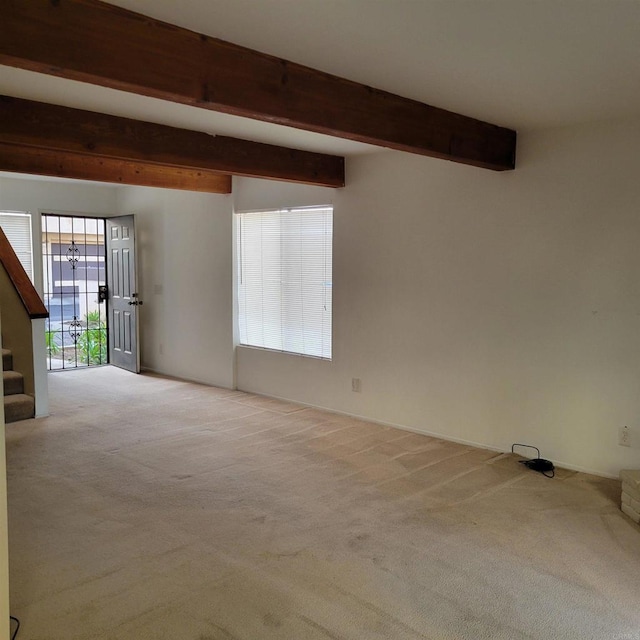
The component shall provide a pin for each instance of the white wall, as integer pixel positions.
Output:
(485, 307)
(33, 194)
(185, 275)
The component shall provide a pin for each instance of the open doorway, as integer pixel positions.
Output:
(74, 273)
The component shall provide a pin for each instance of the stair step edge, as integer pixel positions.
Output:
(17, 407)
(12, 382)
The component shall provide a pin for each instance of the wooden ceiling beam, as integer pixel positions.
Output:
(61, 164)
(95, 42)
(193, 156)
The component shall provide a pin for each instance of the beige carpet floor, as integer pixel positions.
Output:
(150, 508)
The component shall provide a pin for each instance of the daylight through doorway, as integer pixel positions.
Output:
(74, 268)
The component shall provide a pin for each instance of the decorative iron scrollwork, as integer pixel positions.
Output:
(73, 254)
(75, 329)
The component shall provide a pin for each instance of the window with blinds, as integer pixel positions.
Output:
(17, 228)
(285, 280)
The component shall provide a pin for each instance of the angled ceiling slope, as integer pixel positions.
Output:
(95, 42)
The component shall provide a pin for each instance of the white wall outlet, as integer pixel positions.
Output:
(356, 385)
(624, 436)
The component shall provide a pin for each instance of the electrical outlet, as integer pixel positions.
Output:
(624, 436)
(356, 385)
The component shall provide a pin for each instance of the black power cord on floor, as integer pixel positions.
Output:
(15, 633)
(545, 467)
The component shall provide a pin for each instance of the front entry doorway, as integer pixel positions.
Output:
(123, 298)
(90, 291)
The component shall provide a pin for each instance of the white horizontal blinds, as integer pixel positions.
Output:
(285, 279)
(17, 228)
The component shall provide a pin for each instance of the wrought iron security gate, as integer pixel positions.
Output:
(74, 271)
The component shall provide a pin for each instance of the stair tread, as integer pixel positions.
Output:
(12, 382)
(17, 398)
(18, 407)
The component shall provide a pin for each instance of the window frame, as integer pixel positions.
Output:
(301, 328)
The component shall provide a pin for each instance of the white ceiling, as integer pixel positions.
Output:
(524, 64)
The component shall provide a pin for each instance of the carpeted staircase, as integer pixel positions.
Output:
(17, 404)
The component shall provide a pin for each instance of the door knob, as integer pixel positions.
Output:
(135, 303)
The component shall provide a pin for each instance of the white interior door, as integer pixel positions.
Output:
(123, 298)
